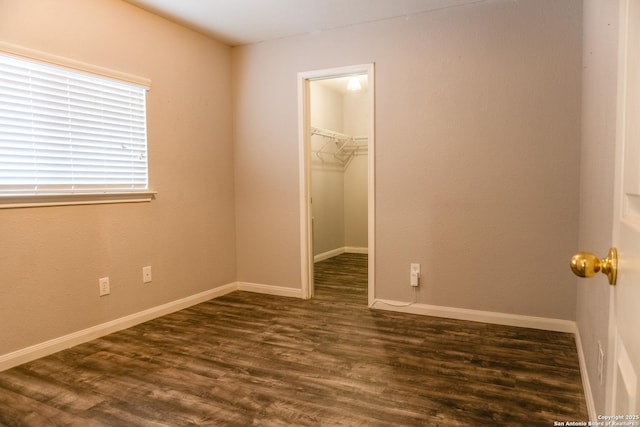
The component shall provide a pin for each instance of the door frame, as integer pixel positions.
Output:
(304, 144)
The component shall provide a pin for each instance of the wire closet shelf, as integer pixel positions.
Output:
(344, 148)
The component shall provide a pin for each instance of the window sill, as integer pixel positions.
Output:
(34, 201)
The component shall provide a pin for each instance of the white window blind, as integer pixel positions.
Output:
(67, 132)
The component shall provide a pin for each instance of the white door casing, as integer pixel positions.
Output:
(304, 137)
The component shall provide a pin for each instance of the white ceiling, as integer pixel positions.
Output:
(237, 22)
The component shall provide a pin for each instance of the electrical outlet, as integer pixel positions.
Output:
(146, 274)
(414, 277)
(104, 286)
(600, 363)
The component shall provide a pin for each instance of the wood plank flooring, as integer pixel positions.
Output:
(256, 360)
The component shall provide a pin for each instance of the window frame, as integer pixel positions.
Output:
(86, 197)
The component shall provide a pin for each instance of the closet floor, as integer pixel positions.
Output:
(257, 360)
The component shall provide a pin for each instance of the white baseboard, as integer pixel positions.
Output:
(270, 289)
(328, 254)
(338, 251)
(46, 348)
(24, 355)
(586, 384)
(356, 250)
(558, 325)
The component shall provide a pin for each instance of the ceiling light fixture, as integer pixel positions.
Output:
(354, 84)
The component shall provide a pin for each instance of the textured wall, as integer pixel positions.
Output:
(356, 176)
(477, 130)
(51, 258)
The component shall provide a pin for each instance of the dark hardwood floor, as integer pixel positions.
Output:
(256, 360)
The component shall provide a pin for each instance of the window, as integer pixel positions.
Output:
(64, 132)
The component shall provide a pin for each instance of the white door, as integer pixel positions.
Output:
(624, 330)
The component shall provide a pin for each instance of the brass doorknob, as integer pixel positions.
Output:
(586, 264)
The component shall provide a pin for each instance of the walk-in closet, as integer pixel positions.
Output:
(339, 165)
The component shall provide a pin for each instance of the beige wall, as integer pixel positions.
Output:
(597, 161)
(477, 121)
(51, 258)
(478, 126)
(356, 176)
(356, 207)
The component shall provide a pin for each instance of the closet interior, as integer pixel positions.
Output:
(339, 166)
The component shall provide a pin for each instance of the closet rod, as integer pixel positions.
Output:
(336, 135)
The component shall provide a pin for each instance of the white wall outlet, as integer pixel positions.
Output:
(414, 277)
(146, 274)
(104, 286)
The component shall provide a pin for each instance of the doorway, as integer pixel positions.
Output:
(336, 168)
